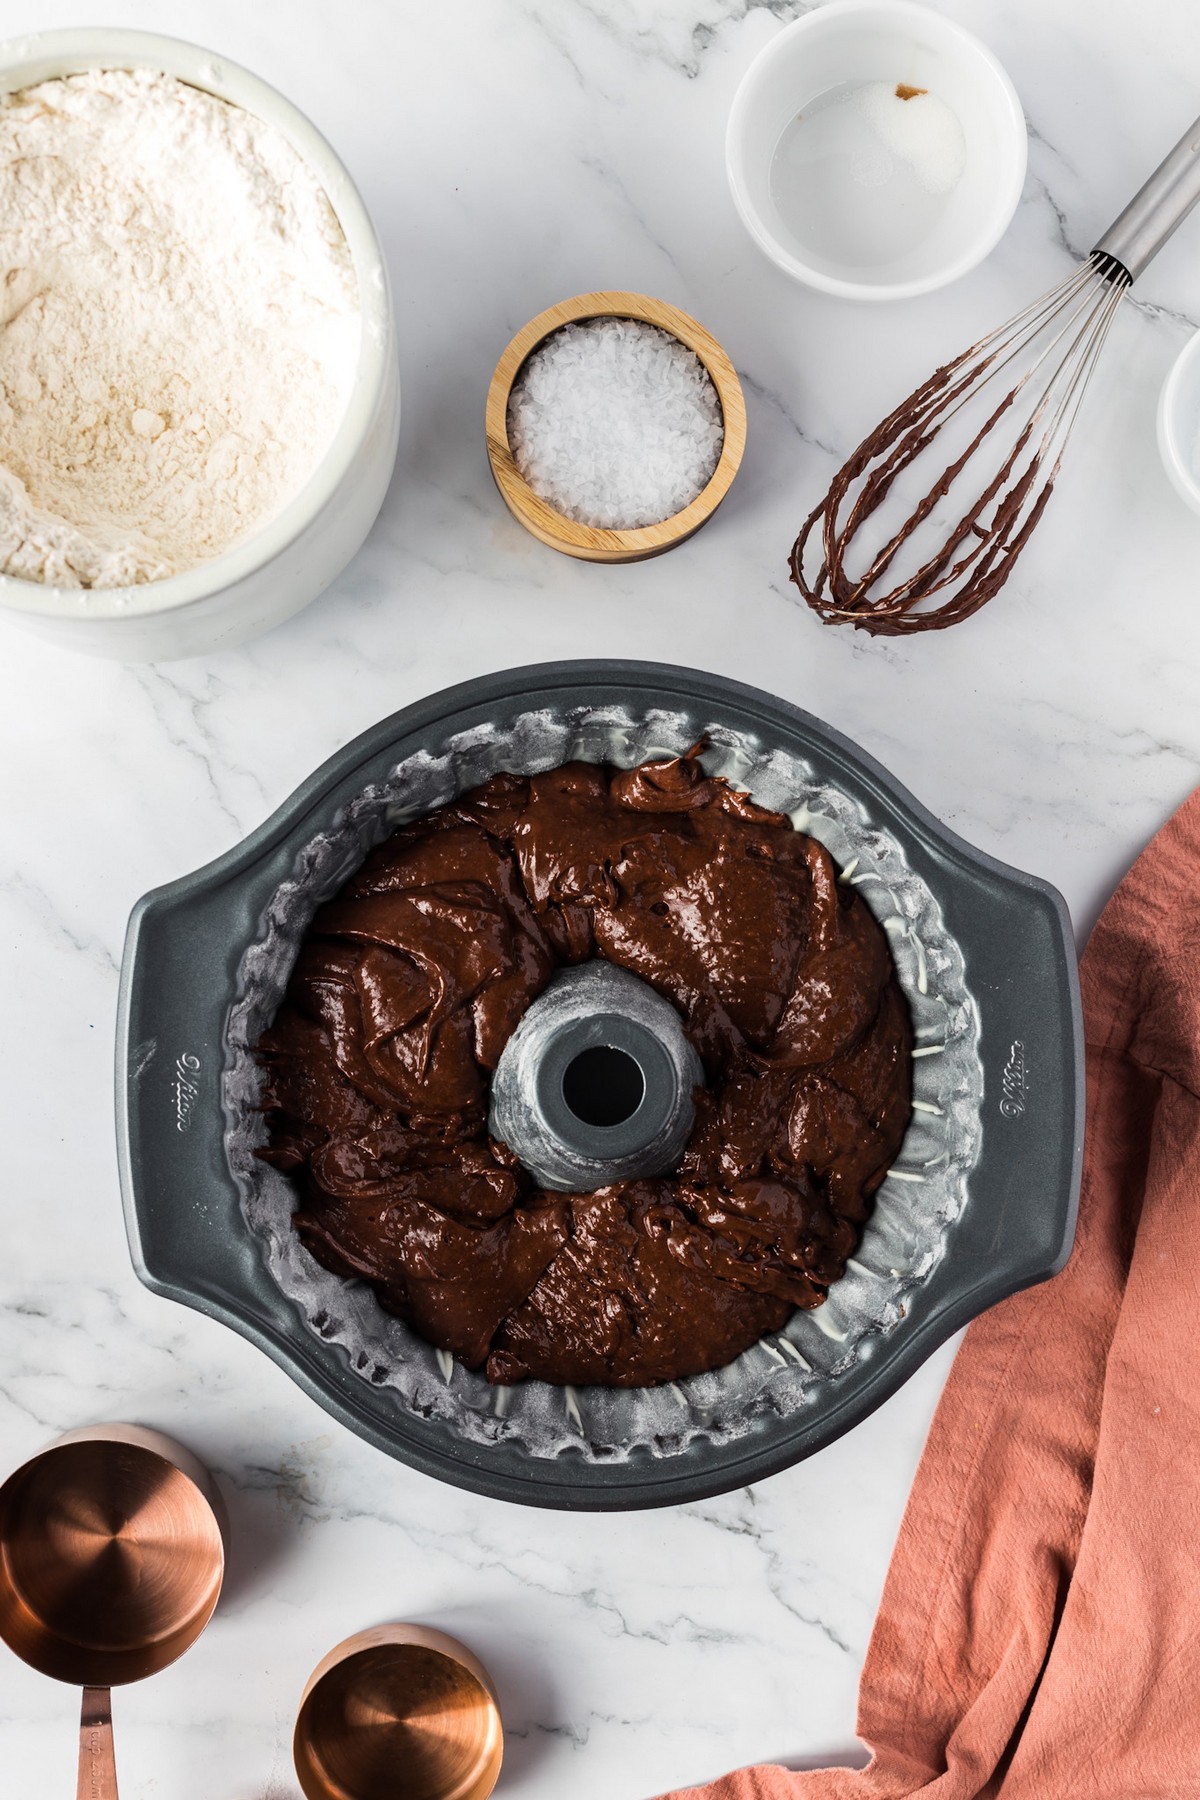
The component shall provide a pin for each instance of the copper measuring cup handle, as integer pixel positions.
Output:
(97, 1762)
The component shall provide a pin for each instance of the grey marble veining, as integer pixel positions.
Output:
(514, 155)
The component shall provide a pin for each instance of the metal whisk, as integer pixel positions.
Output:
(1000, 415)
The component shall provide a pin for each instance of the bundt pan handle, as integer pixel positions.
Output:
(187, 1237)
(190, 1242)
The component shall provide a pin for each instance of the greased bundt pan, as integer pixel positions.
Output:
(980, 1202)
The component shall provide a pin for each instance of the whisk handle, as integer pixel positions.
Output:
(1140, 232)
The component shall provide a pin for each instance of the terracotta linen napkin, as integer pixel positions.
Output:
(1039, 1632)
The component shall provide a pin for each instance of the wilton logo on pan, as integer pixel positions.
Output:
(1014, 1082)
(187, 1067)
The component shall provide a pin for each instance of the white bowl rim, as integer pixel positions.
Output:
(842, 286)
(1175, 462)
(23, 62)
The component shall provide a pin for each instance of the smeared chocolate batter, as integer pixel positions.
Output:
(410, 982)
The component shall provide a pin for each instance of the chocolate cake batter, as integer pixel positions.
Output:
(410, 982)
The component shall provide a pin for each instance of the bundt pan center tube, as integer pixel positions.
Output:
(596, 1084)
(979, 1202)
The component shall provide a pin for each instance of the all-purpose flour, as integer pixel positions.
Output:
(179, 327)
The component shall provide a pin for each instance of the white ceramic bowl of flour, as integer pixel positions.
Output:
(287, 561)
(875, 149)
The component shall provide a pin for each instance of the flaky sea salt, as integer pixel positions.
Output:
(615, 423)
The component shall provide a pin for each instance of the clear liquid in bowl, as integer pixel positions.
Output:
(864, 173)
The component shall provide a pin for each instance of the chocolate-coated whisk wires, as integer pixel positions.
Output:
(1063, 331)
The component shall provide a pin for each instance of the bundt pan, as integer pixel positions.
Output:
(980, 1202)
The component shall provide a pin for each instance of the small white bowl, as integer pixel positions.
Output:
(298, 553)
(852, 43)
(1179, 423)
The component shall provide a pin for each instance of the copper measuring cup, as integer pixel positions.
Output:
(111, 1560)
(399, 1710)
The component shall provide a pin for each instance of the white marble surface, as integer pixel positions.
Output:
(513, 154)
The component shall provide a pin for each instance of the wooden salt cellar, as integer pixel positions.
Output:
(590, 542)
